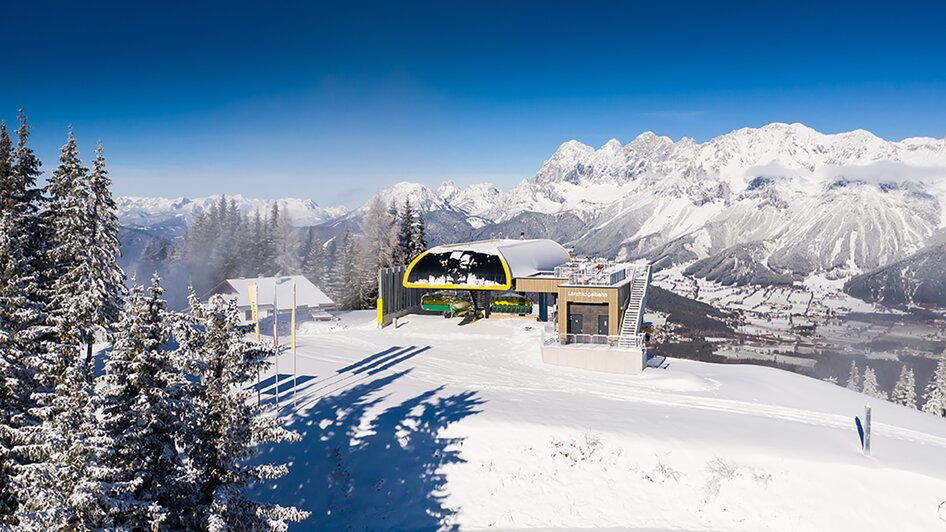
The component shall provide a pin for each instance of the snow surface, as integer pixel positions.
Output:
(433, 424)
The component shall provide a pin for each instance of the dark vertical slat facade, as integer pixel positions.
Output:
(396, 299)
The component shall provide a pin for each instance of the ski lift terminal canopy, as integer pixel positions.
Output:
(484, 265)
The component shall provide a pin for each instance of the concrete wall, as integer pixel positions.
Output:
(594, 358)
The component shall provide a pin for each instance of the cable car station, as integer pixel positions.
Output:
(595, 307)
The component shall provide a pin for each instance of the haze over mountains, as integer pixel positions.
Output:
(758, 205)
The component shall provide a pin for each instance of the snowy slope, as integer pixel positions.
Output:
(432, 425)
(137, 211)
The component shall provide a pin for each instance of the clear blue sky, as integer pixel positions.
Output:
(335, 101)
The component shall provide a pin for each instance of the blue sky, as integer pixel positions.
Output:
(336, 101)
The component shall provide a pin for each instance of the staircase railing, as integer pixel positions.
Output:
(634, 313)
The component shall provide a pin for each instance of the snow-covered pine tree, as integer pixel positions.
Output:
(226, 428)
(270, 245)
(72, 307)
(23, 202)
(254, 252)
(936, 390)
(107, 285)
(26, 203)
(419, 243)
(313, 265)
(343, 278)
(288, 261)
(904, 392)
(376, 249)
(7, 190)
(59, 450)
(138, 482)
(21, 320)
(405, 237)
(228, 247)
(397, 253)
(854, 378)
(871, 388)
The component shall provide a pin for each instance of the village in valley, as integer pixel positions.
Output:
(795, 326)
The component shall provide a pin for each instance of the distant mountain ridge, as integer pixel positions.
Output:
(775, 203)
(803, 201)
(138, 211)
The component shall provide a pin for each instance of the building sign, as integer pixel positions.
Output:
(586, 294)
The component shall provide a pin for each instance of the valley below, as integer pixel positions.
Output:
(812, 328)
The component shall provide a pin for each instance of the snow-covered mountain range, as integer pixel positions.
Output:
(776, 202)
(800, 200)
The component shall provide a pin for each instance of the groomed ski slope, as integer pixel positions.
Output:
(435, 425)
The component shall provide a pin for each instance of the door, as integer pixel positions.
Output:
(603, 324)
(574, 323)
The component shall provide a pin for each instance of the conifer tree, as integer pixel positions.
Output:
(26, 363)
(288, 261)
(255, 251)
(7, 191)
(107, 284)
(21, 321)
(271, 241)
(376, 249)
(138, 482)
(419, 243)
(228, 245)
(59, 449)
(853, 380)
(406, 233)
(936, 390)
(397, 252)
(343, 280)
(904, 392)
(72, 309)
(313, 266)
(871, 388)
(23, 201)
(226, 426)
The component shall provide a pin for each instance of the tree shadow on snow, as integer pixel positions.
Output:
(267, 387)
(370, 463)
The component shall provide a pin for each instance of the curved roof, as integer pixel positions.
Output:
(484, 265)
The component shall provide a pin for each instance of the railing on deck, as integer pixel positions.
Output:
(551, 337)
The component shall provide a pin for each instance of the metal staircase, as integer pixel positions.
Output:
(634, 314)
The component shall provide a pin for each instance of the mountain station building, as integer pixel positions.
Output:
(597, 305)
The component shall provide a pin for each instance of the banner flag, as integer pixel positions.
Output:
(254, 309)
(860, 430)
